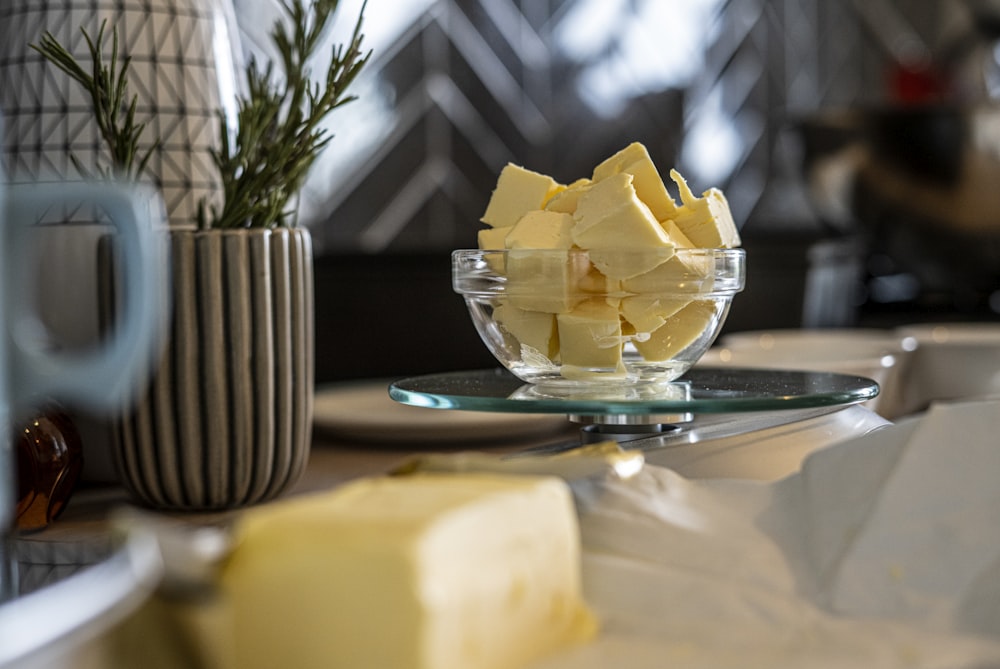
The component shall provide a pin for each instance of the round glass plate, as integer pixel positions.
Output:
(700, 390)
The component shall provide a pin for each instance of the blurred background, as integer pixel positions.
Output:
(857, 141)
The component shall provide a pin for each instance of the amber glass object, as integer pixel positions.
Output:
(49, 459)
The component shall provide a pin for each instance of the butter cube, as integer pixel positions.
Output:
(596, 282)
(540, 281)
(541, 229)
(646, 313)
(493, 239)
(676, 235)
(674, 276)
(634, 159)
(678, 332)
(545, 279)
(518, 191)
(707, 221)
(567, 199)
(610, 220)
(590, 337)
(652, 297)
(535, 331)
(429, 571)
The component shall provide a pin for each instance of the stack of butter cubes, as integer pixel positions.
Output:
(580, 309)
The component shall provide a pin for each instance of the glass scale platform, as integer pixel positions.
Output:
(707, 402)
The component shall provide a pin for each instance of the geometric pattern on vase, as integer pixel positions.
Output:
(183, 64)
(226, 420)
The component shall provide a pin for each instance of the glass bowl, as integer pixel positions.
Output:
(582, 318)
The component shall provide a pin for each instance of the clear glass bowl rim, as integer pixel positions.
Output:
(472, 275)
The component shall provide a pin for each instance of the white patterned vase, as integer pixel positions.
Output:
(184, 58)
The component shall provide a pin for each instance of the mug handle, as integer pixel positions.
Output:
(103, 379)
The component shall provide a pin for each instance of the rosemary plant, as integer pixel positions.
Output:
(264, 161)
(278, 135)
(107, 86)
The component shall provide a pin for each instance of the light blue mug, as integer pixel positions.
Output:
(100, 379)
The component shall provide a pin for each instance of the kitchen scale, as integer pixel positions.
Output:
(708, 413)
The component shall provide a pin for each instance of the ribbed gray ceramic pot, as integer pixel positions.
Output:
(227, 418)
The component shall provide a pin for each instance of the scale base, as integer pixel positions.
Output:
(597, 432)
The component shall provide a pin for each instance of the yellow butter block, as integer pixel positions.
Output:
(545, 279)
(541, 229)
(610, 220)
(676, 235)
(493, 239)
(517, 192)
(700, 265)
(678, 332)
(566, 200)
(707, 221)
(537, 280)
(429, 571)
(535, 331)
(674, 276)
(634, 159)
(590, 336)
(646, 313)
(597, 283)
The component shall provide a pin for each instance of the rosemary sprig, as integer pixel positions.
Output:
(107, 86)
(278, 134)
(264, 161)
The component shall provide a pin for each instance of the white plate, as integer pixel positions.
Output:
(364, 411)
(882, 355)
(952, 361)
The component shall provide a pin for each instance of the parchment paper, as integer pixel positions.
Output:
(883, 551)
